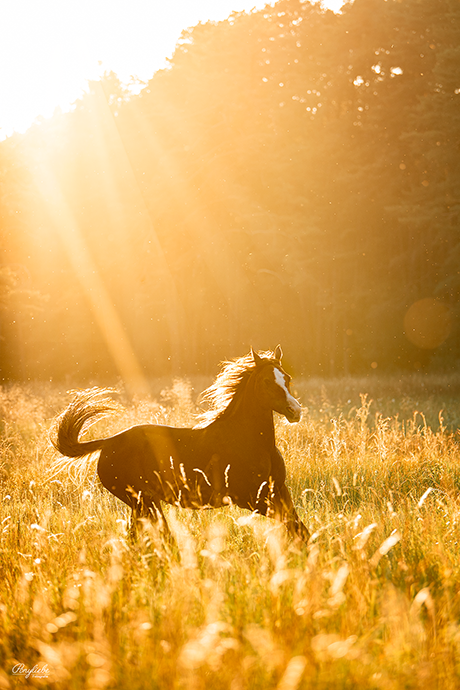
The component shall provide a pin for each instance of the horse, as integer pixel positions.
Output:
(229, 457)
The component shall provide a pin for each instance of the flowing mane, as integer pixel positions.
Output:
(229, 384)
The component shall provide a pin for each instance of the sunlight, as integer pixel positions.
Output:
(165, 280)
(87, 274)
(199, 224)
(52, 48)
(187, 236)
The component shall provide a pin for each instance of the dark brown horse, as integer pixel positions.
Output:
(231, 457)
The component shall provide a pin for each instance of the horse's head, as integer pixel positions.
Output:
(273, 386)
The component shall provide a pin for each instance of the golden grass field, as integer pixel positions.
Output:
(373, 602)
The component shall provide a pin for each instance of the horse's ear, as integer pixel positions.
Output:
(255, 357)
(278, 353)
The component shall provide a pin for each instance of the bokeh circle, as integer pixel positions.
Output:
(428, 323)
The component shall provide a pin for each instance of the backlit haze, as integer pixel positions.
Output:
(190, 179)
(50, 49)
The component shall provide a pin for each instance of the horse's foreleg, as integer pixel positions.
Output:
(284, 511)
(157, 517)
(148, 509)
(134, 524)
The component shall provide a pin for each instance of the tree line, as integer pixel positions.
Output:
(292, 176)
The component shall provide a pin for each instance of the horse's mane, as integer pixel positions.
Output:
(231, 381)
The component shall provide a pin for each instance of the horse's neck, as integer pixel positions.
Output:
(245, 414)
(261, 422)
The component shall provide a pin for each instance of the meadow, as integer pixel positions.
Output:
(373, 601)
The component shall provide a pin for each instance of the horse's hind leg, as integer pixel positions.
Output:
(156, 515)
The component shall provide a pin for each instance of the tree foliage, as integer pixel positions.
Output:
(292, 176)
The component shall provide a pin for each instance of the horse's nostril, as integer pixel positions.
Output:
(294, 413)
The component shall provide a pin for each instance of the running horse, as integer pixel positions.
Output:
(230, 457)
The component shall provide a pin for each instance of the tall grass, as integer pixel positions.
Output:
(373, 602)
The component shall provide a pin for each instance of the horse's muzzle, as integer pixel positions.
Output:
(293, 412)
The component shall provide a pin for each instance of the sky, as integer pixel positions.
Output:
(49, 49)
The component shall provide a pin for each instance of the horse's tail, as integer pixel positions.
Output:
(92, 404)
(86, 406)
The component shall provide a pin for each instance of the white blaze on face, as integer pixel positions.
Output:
(291, 401)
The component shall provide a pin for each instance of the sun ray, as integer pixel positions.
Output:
(199, 222)
(87, 273)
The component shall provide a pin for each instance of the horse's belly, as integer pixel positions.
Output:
(239, 478)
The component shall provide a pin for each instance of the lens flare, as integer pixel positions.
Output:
(428, 323)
